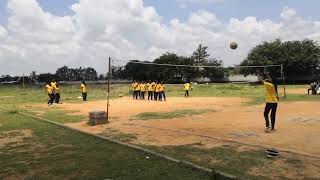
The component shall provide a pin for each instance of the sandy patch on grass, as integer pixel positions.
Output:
(297, 91)
(231, 121)
(14, 137)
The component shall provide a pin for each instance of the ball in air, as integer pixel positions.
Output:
(233, 45)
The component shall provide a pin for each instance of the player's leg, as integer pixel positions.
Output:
(273, 114)
(164, 96)
(160, 95)
(57, 98)
(266, 115)
(49, 98)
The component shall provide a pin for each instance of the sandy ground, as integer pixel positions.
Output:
(298, 123)
(297, 91)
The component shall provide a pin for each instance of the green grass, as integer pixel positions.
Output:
(62, 116)
(171, 114)
(58, 153)
(228, 159)
(69, 93)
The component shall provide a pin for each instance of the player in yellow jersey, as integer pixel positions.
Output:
(53, 84)
(84, 90)
(138, 90)
(187, 88)
(154, 84)
(57, 92)
(271, 101)
(157, 92)
(50, 93)
(134, 91)
(142, 90)
(150, 90)
(162, 94)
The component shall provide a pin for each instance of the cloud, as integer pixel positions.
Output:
(127, 29)
(288, 13)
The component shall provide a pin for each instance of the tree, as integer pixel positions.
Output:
(33, 77)
(299, 58)
(200, 55)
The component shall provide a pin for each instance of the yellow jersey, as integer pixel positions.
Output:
(49, 89)
(142, 87)
(53, 85)
(271, 94)
(187, 86)
(149, 87)
(134, 86)
(162, 87)
(83, 88)
(153, 84)
(157, 87)
(57, 89)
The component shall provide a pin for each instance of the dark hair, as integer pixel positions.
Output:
(84, 82)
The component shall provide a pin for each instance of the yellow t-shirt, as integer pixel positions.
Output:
(153, 84)
(143, 87)
(162, 87)
(157, 87)
(271, 94)
(57, 89)
(83, 88)
(53, 85)
(49, 89)
(137, 87)
(149, 87)
(134, 85)
(187, 86)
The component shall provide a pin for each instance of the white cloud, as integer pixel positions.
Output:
(288, 13)
(126, 29)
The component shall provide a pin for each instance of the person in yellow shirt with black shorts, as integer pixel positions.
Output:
(53, 85)
(150, 90)
(162, 94)
(57, 92)
(156, 93)
(153, 84)
(187, 87)
(134, 91)
(50, 93)
(84, 90)
(271, 101)
(142, 90)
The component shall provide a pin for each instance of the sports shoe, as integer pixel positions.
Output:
(268, 129)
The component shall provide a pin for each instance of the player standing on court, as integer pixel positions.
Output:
(84, 90)
(50, 93)
(142, 90)
(134, 91)
(162, 94)
(150, 90)
(53, 85)
(271, 101)
(153, 84)
(187, 87)
(57, 92)
(157, 94)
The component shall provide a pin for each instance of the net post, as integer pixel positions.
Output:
(283, 82)
(108, 95)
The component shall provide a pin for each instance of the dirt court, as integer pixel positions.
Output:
(298, 123)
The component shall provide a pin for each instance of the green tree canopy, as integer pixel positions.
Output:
(298, 57)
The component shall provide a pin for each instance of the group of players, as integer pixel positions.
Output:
(155, 90)
(53, 90)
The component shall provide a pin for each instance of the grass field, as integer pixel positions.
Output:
(55, 153)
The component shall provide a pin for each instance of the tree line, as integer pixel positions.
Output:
(299, 58)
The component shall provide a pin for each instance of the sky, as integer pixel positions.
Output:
(42, 35)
